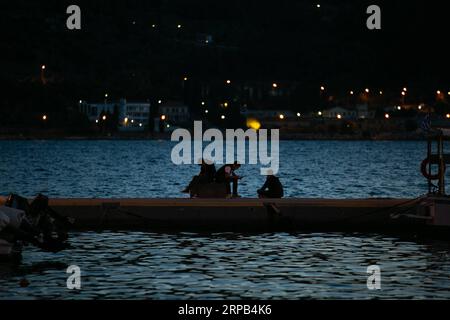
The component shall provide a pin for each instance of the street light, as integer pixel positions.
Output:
(352, 93)
(206, 111)
(367, 90)
(281, 116)
(163, 117)
(222, 117)
(274, 85)
(387, 116)
(299, 114)
(228, 81)
(44, 117)
(104, 118)
(319, 113)
(43, 67)
(322, 88)
(339, 116)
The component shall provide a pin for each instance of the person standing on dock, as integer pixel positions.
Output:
(272, 188)
(226, 174)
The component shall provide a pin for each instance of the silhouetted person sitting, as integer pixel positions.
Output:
(226, 174)
(206, 175)
(272, 188)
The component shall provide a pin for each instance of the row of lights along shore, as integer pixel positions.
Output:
(223, 117)
(275, 85)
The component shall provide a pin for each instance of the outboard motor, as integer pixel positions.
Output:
(41, 226)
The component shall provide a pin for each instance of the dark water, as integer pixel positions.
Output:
(135, 265)
(139, 265)
(143, 169)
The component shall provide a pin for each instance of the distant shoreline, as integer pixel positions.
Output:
(300, 137)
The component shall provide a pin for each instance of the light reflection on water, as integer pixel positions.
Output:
(138, 265)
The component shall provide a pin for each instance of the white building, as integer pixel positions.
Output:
(133, 116)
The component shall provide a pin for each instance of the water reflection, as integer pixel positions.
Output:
(139, 265)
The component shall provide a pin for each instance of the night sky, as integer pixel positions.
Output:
(135, 48)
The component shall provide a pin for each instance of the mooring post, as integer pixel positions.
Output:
(430, 184)
(441, 166)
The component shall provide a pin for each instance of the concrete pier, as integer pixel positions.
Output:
(232, 214)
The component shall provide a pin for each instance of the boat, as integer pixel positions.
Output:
(29, 222)
(424, 214)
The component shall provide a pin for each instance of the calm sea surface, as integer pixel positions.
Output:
(139, 265)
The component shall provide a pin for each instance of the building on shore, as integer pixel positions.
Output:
(131, 116)
(360, 112)
(171, 115)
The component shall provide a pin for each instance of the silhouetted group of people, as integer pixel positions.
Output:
(226, 175)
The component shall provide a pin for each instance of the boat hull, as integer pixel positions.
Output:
(242, 214)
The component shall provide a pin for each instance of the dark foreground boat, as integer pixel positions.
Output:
(424, 214)
(25, 222)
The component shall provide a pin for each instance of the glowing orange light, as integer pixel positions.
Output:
(253, 124)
